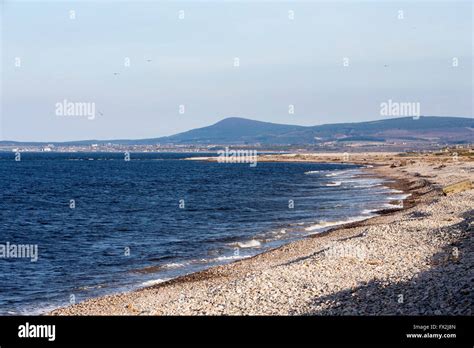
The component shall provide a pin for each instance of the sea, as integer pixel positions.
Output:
(101, 224)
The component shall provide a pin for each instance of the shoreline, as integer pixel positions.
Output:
(175, 293)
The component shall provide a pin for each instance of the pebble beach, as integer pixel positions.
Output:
(415, 260)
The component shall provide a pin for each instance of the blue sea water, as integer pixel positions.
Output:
(129, 228)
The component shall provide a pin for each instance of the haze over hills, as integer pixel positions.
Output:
(236, 130)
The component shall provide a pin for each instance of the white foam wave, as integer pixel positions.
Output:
(312, 172)
(337, 173)
(393, 206)
(227, 258)
(326, 224)
(249, 244)
(335, 183)
(154, 282)
(366, 185)
(35, 310)
(369, 211)
(174, 265)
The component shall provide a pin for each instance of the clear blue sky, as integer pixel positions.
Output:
(282, 62)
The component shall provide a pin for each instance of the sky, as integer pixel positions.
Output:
(156, 68)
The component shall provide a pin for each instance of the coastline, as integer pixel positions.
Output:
(312, 275)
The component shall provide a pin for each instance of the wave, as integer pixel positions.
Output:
(312, 172)
(393, 206)
(154, 282)
(363, 182)
(337, 173)
(366, 185)
(227, 258)
(159, 268)
(335, 183)
(369, 211)
(36, 309)
(253, 243)
(322, 225)
(282, 231)
(174, 265)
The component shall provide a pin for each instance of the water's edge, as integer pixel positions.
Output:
(390, 182)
